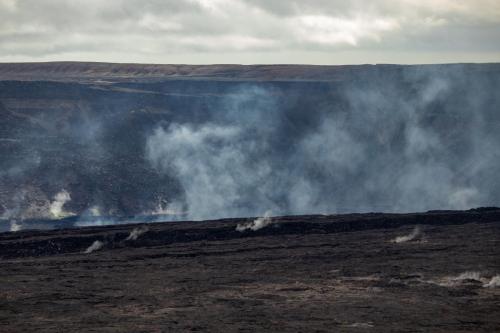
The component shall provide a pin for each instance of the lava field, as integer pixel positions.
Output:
(430, 272)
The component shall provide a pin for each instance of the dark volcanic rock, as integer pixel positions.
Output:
(304, 273)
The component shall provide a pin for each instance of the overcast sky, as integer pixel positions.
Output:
(251, 31)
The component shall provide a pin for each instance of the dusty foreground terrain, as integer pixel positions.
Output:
(297, 274)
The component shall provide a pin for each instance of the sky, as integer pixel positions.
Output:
(331, 32)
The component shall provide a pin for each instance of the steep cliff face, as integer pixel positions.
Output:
(221, 141)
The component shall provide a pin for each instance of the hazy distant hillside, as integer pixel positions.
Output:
(221, 141)
(79, 71)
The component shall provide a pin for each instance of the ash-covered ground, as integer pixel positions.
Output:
(430, 272)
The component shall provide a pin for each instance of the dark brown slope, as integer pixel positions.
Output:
(78, 71)
(308, 273)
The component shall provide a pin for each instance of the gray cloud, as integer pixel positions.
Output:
(241, 31)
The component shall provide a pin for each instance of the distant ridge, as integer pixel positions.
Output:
(97, 70)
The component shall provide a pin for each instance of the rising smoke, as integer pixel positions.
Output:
(380, 138)
(56, 206)
(94, 217)
(95, 246)
(374, 145)
(470, 276)
(26, 207)
(136, 233)
(256, 224)
(493, 283)
(415, 234)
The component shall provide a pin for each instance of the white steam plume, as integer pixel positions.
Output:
(466, 278)
(416, 233)
(493, 283)
(93, 217)
(136, 233)
(470, 275)
(15, 226)
(453, 281)
(56, 206)
(256, 224)
(165, 208)
(379, 145)
(97, 245)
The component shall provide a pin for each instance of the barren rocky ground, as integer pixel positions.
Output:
(341, 273)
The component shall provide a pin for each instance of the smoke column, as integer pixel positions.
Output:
(376, 145)
(56, 206)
